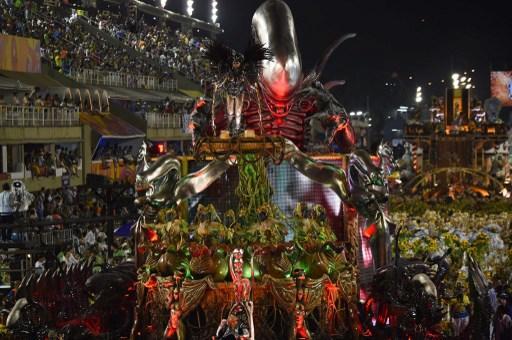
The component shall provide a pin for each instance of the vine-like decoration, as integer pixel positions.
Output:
(254, 189)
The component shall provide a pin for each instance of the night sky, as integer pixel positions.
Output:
(427, 40)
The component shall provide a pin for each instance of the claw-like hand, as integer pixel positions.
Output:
(328, 174)
(290, 150)
(198, 181)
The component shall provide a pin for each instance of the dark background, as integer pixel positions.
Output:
(427, 40)
(397, 39)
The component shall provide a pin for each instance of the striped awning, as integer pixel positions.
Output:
(110, 126)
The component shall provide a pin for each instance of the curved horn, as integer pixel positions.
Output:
(333, 83)
(315, 74)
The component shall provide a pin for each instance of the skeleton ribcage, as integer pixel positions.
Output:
(291, 125)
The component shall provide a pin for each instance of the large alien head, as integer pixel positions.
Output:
(272, 26)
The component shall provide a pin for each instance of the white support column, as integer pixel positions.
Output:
(4, 158)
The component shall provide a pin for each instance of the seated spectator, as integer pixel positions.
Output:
(70, 257)
(56, 100)
(56, 217)
(90, 238)
(15, 99)
(40, 265)
(67, 102)
(48, 100)
(39, 102)
(33, 215)
(26, 100)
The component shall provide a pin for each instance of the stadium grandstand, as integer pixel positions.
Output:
(82, 84)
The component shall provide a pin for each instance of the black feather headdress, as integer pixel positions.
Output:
(255, 54)
(221, 58)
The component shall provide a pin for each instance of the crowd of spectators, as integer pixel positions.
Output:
(87, 247)
(172, 48)
(88, 239)
(43, 163)
(167, 106)
(116, 151)
(78, 202)
(37, 98)
(67, 45)
(71, 203)
(63, 209)
(170, 106)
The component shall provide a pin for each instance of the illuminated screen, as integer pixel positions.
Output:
(501, 86)
(457, 107)
(289, 188)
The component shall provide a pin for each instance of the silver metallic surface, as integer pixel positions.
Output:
(273, 26)
(369, 194)
(142, 162)
(234, 105)
(367, 191)
(381, 246)
(367, 181)
(15, 313)
(427, 284)
(198, 181)
(329, 175)
(159, 179)
(385, 153)
(162, 180)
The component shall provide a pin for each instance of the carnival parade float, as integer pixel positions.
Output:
(253, 271)
(249, 269)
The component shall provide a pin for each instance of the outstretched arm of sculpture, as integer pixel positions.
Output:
(198, 181)
(158, 180)
(158, 169)
(163, 184)
(324, 173)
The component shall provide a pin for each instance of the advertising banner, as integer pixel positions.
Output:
(501, 86)
(19, 54)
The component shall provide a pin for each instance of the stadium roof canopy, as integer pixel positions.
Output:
(14, 85)
(173, 16)
(28, 79)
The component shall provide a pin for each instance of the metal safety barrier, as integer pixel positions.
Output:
(159, 120)
(118, 79)
(56, 237)
(50, 233)
(32, 116)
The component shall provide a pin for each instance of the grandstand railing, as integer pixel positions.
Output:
(32, 116)
(29, 234)
(127, 80)
(159, 120)
(34, 238)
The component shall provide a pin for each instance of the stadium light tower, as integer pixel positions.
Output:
(190, 7)
(455, 80)
(419, 95)
(214, 11)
